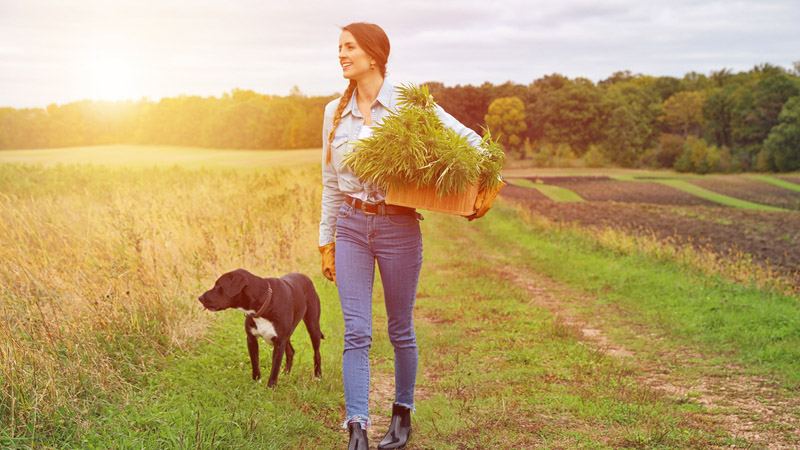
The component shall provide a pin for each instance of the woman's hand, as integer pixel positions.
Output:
(328, 252)
(485, 200)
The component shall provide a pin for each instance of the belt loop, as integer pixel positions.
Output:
(382, 208)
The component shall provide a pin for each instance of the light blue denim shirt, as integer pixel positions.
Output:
(338, 181)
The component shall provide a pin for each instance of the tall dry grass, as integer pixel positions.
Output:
(100, 270)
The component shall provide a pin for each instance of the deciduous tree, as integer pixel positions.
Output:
(683, 112)
(783, 142)
(506, 121)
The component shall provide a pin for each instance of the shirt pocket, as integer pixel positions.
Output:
(338, 148)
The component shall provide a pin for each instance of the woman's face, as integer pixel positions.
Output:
(354, 60)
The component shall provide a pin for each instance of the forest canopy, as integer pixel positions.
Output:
(720, 122)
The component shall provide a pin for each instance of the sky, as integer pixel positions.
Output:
(60, 51)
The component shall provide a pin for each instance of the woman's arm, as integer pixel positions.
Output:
(451, 122)
(332, 197)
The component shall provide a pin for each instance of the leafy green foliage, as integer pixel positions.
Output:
(507, 115)
(783, 143)
(413, 147)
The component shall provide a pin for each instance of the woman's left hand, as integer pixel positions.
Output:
(485, 200)
(328, 261)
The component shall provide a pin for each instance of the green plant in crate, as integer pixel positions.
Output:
(413, 147)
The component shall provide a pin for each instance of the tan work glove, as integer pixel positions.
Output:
(328, 252)
(485, 200)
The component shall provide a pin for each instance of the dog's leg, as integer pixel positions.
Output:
(289, 356)
(277, 357)
(252, 348)
(311, 319)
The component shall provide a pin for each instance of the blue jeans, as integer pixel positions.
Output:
(395, 242)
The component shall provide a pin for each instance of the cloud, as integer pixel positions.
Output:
(207, 47)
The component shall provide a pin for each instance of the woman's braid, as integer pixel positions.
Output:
(337, 116)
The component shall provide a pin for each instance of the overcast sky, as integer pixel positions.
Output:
(58, 51)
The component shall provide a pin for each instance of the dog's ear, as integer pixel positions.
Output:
(232, 283)
(259, 292)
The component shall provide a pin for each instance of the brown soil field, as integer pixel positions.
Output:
(517, 192)
(790, 178)
(772, 238)
(751, 190)
(603, 189)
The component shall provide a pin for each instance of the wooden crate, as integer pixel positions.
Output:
(427, 199)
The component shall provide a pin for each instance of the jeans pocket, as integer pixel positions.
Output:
(345, 211)
(401, 219)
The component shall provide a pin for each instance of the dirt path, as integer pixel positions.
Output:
(752, 410)
(381, 396)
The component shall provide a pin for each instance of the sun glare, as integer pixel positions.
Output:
(110, 77)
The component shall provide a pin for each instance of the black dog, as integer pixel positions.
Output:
(273, 308)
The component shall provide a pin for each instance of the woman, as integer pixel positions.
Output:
(358, 228)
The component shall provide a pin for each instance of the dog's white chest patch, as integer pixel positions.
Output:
(264, 328)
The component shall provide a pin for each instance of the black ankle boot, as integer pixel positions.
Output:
(399, 430)
(358, 437)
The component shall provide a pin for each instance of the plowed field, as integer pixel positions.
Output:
(790, 178)
(601, 189)
(751, 190)
(772, 238)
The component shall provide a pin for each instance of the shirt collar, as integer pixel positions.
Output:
(384, 98)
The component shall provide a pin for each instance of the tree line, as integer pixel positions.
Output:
(721, 122)
(241, 119)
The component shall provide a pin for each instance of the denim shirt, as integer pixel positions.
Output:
(338, 181)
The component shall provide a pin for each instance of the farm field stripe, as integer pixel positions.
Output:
(649, 177)
(715, 197)
(781, 183)
(555, 193)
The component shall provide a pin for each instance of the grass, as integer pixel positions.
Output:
(777, 182)
(101, 267)
(148, 156)
(118, 256)
(560, 194)
(715, 197)
(488, 359)
(204, 396)
(555, 193)
(757, 326)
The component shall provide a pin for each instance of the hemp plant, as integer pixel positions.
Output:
(413, 147)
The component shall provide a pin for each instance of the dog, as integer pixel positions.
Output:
(273, 308)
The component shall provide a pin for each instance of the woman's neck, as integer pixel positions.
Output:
(368, 89)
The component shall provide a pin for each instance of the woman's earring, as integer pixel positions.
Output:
(372, 66)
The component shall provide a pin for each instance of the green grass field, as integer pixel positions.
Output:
(531, 334)
(555, 193)
(777, 182)
(715, 197)
(145, 156)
